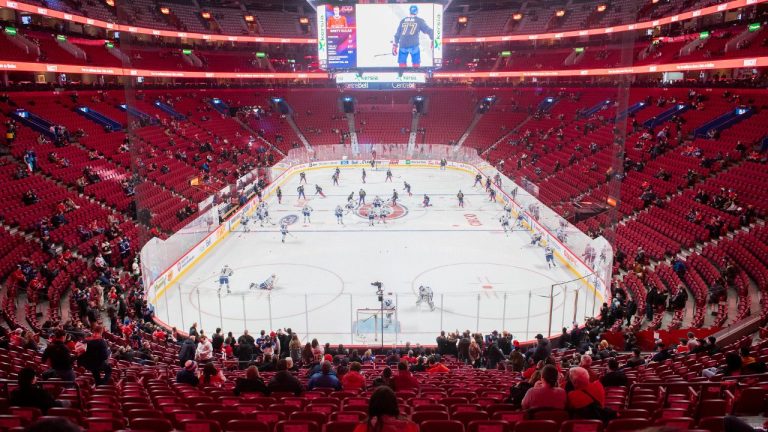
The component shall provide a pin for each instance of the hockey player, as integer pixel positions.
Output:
(460, 196)
(550, 256)
(478, 180)
(279, 194)
(363, 175)
(394, 197)
(504, 219)
(319, 190)
(389, 310)
(350, 206)
(383, 213)
(226, 272)
(351, 196)
(406, 41)
(425, 201)
(508, 210)
(335, 179)
(266, 285)
(244, 223)
(339, 212)
(373, 163)
(361, 197)
(487, 184)
(561, 235)
(371, 216)
(377, 203)
(492, 195)
(497, 180)
(535, 239)
(389, 176)
(283, 231)
(443, 164)
(407, 188)
(425, 296)
(337, 172)
(300, 190)
(302, 178)
(307, 212)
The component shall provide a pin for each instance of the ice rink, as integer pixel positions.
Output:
(482, 279)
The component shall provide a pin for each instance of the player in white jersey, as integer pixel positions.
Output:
(389, 310)
(266, 285)
(284, 231)
(244, 222)
(504, 219)
(550, 256)
(561, 235)
(307, 212)
(382, 214)
(535, 239)
(350, 206)
(508, 210)
(425, 296)
(224, 276)
(339, 215)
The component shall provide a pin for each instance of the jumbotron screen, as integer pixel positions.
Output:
(380, 36)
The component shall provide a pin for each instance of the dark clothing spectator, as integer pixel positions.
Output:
(34, 397)
(60, 360)
(187, 351)
(614, 379)
(324, 380)
(186, 376)
(245, 385)
(96, 359)
(284, 381)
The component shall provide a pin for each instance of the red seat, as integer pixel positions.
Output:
(297, 426)
(581, 426)
(713, 424)
(246, 426)
(468, 416)
(152, 424)
(441, 426)
(341, 426)
(348, 416)
(420, 416)
(317, 417)
(489, 426)
(627, 425)
(681, 423)
(100, 424)
(536, 426)
(199, 425)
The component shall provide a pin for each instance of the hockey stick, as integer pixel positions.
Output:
(382, 55)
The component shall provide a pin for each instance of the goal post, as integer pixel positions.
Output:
(381, 165)
(367, 326)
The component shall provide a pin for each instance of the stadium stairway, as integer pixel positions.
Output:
(34, 121)
(724, 121)
(96, 117)
(672, 111)
(136, 113)
(169, 110)
(631, 110)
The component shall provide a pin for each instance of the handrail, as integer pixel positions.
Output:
(749, 62)
(697, 13)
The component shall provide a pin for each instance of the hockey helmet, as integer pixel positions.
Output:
(414, 10)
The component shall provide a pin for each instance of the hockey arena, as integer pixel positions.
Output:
(481, 274)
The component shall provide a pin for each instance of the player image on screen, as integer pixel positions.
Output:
(337, 20)
(406, 41)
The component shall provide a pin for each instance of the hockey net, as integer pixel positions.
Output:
(367, 327)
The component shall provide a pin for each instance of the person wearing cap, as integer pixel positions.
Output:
(188, 374)
(543, 348)
(326, 378)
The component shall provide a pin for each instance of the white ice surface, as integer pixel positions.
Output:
(482, 279)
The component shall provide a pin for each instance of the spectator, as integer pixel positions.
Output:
(405, 379)
(385, 379)
(326, 378)
(545, 392)
(615, 376)
(58, 358)
(284, 381)
(732, 367)
(252, 383)
(188, 375)
(636, 359)
(543, 348)
(384, 414)
(29, 394)
(204, 351)
(210, 376)
(353, 380)
(187, 351)
(217, 341)
(434, 366)
(584, 393)
(96, 357)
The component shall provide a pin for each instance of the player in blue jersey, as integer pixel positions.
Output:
(406, 40)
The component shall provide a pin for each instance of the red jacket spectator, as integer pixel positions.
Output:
(585, 392)
(437, 368)
(353, 380)
(404, 380)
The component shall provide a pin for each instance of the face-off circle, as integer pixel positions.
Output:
(393, 211)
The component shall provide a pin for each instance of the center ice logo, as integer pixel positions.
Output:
(289, 220)
(393, 211)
